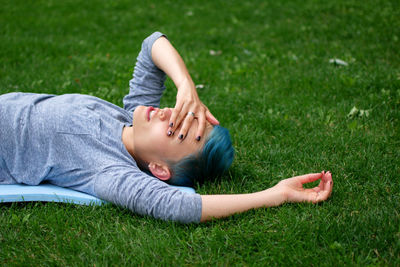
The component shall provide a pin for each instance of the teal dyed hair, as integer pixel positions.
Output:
(212, 160)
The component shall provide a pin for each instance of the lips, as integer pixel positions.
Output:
(149, 109)
(150, 112)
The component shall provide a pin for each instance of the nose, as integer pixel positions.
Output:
(165, 113)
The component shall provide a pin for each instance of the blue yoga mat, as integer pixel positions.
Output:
(52, 193)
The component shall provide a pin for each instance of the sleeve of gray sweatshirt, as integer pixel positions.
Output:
(147, 195)
(147, 86)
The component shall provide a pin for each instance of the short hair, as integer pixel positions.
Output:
(211, 161)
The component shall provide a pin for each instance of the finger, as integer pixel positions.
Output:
(317, 189)
(202, 126)
(185, 126)
(330, 183)
(180, 117)
(322, 195)
(312, 195)
(211, 119)
(322, 183)
(326, 179)
(308, 178)
(329, 176)
(172, 120)
(327, 189)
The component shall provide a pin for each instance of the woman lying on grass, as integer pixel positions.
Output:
(125, 156)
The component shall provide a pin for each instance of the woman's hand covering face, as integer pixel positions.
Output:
(187, 101)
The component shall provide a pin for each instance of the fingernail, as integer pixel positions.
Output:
(171, 124)
(198, 138)
(169, 133)
(181, 136)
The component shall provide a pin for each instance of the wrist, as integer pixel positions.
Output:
(185, 82)
(281, 193)
(270, 197)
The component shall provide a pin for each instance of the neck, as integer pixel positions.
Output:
(127, 139)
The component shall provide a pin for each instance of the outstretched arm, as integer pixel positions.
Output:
(288, 190)
(166, 58)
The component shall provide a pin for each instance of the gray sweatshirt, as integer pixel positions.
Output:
(75, 141)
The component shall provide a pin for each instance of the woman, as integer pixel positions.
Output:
(125, 156)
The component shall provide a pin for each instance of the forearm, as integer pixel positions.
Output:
(166, 58)
(218, 206)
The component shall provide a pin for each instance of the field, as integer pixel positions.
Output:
(265, 72)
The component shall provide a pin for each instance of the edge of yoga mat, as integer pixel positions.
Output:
(52, 193)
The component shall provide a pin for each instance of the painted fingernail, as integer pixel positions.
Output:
(169, 133)
(171, 124)
(181, 136)
(198, 138)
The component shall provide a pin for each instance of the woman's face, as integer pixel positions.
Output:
(150, 140)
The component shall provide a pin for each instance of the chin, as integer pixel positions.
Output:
(137, 111)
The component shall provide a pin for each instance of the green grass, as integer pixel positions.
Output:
(272, 86)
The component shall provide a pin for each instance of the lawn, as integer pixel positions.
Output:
(266, 75)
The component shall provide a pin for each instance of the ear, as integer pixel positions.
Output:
(160, 171)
